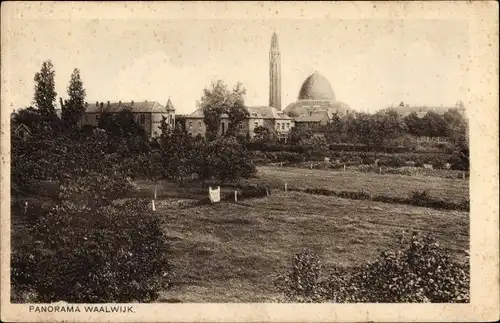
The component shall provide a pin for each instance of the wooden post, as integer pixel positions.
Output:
(153, 205)
(156, 189)
(380, 170)
(311, 165)
(463, 175)
(286, 188)
(236, 196)
(344, 167)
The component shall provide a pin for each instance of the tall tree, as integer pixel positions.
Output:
(45, 92)
(236, 110)
(74, 107)
(218, 100)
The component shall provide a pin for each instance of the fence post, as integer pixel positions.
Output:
(235, 195)
(380, 170)
(463, 175)
(153, 205)
(344, 167)
(311, 165)
(286, 187)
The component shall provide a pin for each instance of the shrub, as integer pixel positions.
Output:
(419, 270)
(392, 162)
(302, 282)
(113, 253)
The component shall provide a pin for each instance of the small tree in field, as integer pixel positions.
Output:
(227, 159)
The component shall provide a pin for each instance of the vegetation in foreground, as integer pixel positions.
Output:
(419, 270)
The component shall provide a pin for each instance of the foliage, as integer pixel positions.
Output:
(226, 159)
(302, 282)
(114, 253)
(45, 93)
(180, 154)
(264, 135)
(121, 124)
(217, 101)
(420, 270)
(74, 108)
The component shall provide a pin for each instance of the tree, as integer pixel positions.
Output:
(226, 159)
(45, 93)
(414, 124)
(435, 125)
(121, 124)
(264, 135)
(389, 125)
(236, 111)
(74, 108)
(218, 100)
(178, 153)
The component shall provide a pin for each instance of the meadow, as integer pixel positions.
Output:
(233, 251)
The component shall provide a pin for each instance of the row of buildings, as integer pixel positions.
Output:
(316, 105)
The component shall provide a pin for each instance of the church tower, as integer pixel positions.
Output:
(275, 74)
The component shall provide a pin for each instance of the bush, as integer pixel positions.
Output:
(392, 162)
(114, 253)
(419, 270)
(302, 282)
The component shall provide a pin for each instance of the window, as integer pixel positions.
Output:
(142, 118)
(190, 124)
(199, 124)
(287, 125)
(283, 126)
(277, 125)
(241, 125)
(256, 124)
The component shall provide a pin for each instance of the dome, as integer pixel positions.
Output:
(316, 87)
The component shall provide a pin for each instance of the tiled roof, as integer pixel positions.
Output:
(420, 110)
(266, 113)
(259, 112)
(134, 106)
(170, 106)
(198, 114)
(316, 116)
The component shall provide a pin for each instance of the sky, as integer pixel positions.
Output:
(370, 63)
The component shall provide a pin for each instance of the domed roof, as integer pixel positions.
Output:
(316, 87)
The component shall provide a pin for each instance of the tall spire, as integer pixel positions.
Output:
(275, 74)
(274, 42)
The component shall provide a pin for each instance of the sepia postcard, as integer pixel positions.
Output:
(249, 161)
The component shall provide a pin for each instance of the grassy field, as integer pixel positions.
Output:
(453, 190)
(231, 252)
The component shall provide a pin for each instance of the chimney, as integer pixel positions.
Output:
(97, 104)
(119, 102)
(102, 105)
(132, 103)
(61, 102)
(108, 104)
(86, 104)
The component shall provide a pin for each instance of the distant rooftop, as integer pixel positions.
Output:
(134, 106)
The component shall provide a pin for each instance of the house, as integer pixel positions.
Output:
(260, 116)
(22, 131)
(404, 109)
(148, 114)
